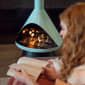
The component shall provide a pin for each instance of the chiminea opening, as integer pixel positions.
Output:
(33, 36)
(38, 36)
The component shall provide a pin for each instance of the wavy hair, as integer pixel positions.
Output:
(73, 49)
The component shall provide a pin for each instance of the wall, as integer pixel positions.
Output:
(12, 4)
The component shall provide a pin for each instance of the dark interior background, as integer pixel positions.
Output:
(12, 4)
(13, 14)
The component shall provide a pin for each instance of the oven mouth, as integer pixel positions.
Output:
(33, 36)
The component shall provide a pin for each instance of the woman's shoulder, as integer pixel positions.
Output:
(77, 75)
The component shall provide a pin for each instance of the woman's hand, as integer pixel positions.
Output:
(20, 75)
(60, 82)
(52, 70)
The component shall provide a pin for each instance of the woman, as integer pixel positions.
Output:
(72, 51)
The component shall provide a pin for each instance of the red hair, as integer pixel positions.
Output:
(73, 49)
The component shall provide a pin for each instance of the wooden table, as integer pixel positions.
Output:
(4, 80)
(9, 54)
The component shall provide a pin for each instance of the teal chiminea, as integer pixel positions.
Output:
(38, 36)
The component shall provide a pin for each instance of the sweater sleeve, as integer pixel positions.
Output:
(58, 65)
